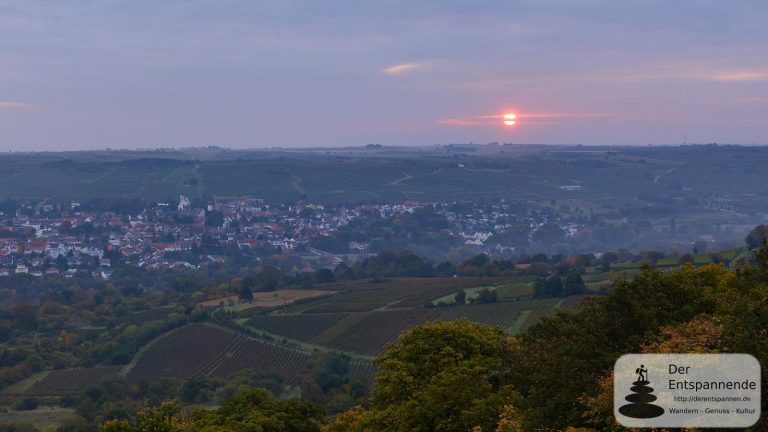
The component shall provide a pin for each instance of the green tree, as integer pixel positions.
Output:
(245, 294)
(757, 237)
(460, 297)
(574, 284)
(325, 275)
(161, 419)
(607, 260)
(256, 410)
(563, 358)
(486, 296)
(269, 277)
(442, 376)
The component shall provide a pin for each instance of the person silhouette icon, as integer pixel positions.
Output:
(642, 373)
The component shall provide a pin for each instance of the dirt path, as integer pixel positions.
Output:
(103, 175)
(296, 183)
(658, 177)
(400, 180)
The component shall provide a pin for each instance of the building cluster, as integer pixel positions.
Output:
(65, 239)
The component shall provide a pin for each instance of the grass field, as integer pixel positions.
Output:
(44, 418)
(265, 300)
(520, 286)
(395, 293)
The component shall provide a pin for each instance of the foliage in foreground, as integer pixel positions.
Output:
(463, 376)
(557, 376)
(254, 410)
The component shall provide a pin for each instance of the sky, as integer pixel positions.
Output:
(94, 74)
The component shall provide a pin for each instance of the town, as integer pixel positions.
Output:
(95, 237)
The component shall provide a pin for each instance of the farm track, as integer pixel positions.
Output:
(401, 180)
(658, 177)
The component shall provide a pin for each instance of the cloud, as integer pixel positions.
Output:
(754, 100)
(401, 68)
(563, 115)
(11, 105)
(465, 122)
(690, 72)
(743, 75)
(494, 119)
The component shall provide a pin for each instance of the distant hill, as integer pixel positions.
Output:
(657, 175)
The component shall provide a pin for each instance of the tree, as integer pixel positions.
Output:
(486, 296)
(757, 237)
(607, 260)
(685, 259)
(445, 269)
(269, 278)
(653, 257)
(574, 284)
(245, 294)
(634, 309)
(257, 410)
(549, 233)
(334, 373)
(702, 335)
(161, 419)
(196, 390)
(548, 287)
(446, 376)
(251, 410)
(214, 218)
(460, 297)
(324, 275)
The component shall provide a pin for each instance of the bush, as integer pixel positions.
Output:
(26, 404)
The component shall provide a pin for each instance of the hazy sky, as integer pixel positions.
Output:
(80, 74)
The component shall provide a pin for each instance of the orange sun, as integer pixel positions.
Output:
(510, 119)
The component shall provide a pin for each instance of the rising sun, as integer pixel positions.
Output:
(510, 119)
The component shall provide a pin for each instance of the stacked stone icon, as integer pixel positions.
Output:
(640, 405)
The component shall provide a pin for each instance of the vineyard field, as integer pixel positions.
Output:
(303, 327)
(363, 368)
(502, 314)
(179, 353)
(371, 334)
(213, 352)
(70, 381)
(363, 296)
(264, 357)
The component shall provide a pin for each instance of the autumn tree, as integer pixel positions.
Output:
(442, 376)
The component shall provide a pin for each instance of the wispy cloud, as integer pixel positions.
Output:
(465, 122)
(11, 105)
(690, 72)
(563, 115)
(401, 68)
(495, 119)
(744, 75)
